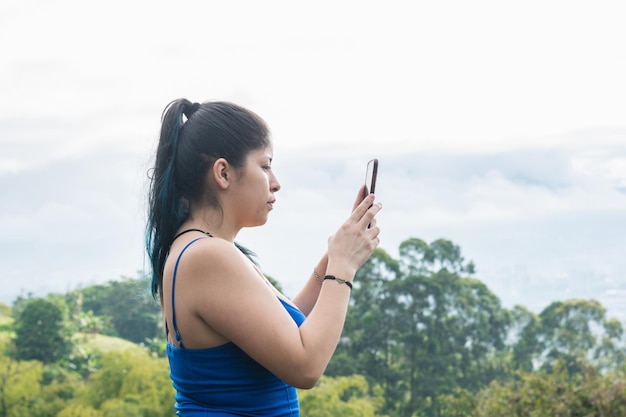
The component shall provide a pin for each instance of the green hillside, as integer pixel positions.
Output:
(105, 344)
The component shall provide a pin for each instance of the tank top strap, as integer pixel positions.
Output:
(176, 332)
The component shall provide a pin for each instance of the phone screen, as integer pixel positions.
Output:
(370, 176)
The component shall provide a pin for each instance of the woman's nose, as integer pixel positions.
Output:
(274, 184)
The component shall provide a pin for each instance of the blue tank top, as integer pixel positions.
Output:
(224, 381)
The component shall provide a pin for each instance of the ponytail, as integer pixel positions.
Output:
(193, 136)
(168, 210)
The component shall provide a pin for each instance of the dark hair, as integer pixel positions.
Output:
(188, 148)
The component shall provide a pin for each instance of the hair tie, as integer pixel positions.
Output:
(191, 110)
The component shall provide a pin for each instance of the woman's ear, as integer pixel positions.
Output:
(221, 173)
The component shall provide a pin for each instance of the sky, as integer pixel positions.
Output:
(498, 125)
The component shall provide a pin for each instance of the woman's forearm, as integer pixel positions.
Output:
(307, 297)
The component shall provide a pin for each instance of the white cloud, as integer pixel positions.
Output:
(440, 76)
(500, 126)
(532, 208)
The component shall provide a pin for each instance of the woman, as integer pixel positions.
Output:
(236, 345)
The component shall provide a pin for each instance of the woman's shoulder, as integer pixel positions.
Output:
(207, 247)
(209, 252)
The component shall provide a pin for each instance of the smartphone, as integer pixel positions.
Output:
(370, 176)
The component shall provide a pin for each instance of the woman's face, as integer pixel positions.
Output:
(255, 187)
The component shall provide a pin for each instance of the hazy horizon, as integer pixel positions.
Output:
(501, 127)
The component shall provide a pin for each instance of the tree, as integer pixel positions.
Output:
(5, 310)
(458, 403)
(130, 383)
(18, 383)
(42, 331)
(420, 329)
(369, 346)
(341, 396)
(79, 410)
(573, 330)
(577, 329)
(89, 324)
(57, 386)
(524, 331)
(133, 313)
(453, 331)
(555, 393)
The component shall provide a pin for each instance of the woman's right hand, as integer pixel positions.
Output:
(352, 245)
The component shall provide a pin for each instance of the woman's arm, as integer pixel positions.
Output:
(227, 293)
(307, 297)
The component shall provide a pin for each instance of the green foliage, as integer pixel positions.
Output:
(6, 325)
(420, 330)
(17, 379)
(155, 347)
(556, 393)
(89, 324)
(432, 338)
(83, 360)
(372, 331)
(576, 329)
(57, 386)
(130, 382)
(103, 344)
(459, 403)
(5, 311)
(42, 331)
(126, 304)
(117, 407)
(572, 331)
(422, 338)
(80, 410)
(342, 396)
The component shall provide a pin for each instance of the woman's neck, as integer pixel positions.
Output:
(210, 224)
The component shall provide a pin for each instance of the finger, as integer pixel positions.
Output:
(373, 231)
(360, 197)
(362, 207)
(368, 216)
